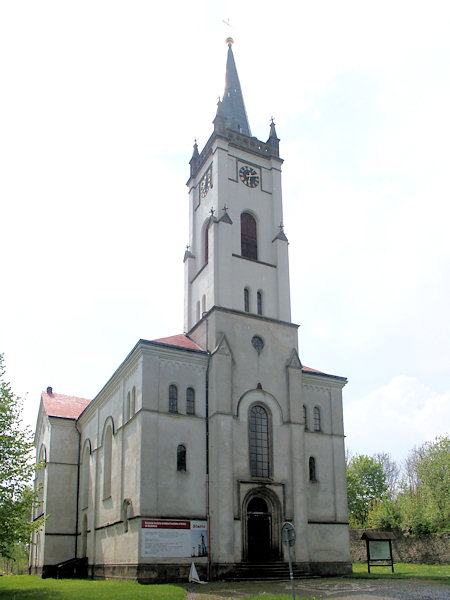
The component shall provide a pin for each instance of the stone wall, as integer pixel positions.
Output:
(431, 548)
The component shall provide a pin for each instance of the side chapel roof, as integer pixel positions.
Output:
(61, 405)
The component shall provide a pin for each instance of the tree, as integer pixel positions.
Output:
(391, 470)
(366, 484)
(16, 469)
(433, 473)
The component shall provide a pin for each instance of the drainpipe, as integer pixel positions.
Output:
(208, 571)
(78, 489)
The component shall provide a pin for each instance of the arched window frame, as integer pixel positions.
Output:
(133, 402)
(108, 431)
(181, 458)
(317, 422)
(85, 474)
(249, 236)
(127, 407)
(312, 469)
(260, 441)
(190, 401)
(246, 299)
(173, 398)
(206, 244)
(40, 480)
(259, 304)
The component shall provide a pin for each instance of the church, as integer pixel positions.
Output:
(201, 445)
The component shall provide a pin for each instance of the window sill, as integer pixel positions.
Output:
(254, 260)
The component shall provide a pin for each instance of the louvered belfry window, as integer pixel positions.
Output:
(249, 243)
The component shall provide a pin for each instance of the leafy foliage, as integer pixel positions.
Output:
(419, 503)
(16, 470)
(366, 483)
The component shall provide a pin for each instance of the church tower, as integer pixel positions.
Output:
(237, 256)
(270, 421)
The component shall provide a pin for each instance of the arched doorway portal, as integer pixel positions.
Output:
(261, 524)
(259, 530)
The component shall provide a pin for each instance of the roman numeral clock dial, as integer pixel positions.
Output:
(249, 176)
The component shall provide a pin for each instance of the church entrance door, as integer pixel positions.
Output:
(259, 528)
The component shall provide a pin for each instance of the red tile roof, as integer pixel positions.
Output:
(60, 405)
(309, 370)
(181, 340)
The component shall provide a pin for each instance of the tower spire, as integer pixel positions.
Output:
(233, 101)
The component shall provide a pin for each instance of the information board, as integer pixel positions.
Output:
(170, 538)
(379, 550)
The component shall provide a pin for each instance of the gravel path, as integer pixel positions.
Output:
(344, 589)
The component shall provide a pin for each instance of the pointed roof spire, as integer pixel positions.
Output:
(194, 160)
(273, 141)
(233, 101)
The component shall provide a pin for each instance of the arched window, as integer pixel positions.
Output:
(85, 468)
(190, 401)
(206, 246)
(107, 460)
(305, 417)
(316, 418)
(249, 244)
(127, 408)
(259, 302)
(246, 300)
(173, 399)
(181, 458)
(40, 480)
(259, 442)
(203, 304)
(312, 469)
(133, 401)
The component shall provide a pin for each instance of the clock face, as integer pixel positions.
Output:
(249, 176)
(205, 183)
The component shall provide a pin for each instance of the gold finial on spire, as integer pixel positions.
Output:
(229, 41)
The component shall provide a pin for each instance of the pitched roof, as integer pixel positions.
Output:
(181, 341)
(61, 405)
(310, 370)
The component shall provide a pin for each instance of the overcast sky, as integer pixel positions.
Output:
(100, 103)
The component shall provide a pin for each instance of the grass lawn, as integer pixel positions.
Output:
(402, 571)
(30, 587)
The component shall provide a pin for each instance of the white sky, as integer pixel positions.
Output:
(100, 102)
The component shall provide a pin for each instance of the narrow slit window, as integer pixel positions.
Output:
(312, 469)
(246, 300)
(190, 401)
(133, 402)
(316, 418)
(206, 246)
(181, 458)
(259, 303)
(173, 399)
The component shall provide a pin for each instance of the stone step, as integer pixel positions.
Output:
(267, 571)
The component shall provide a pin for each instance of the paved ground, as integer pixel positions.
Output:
(344, 589)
